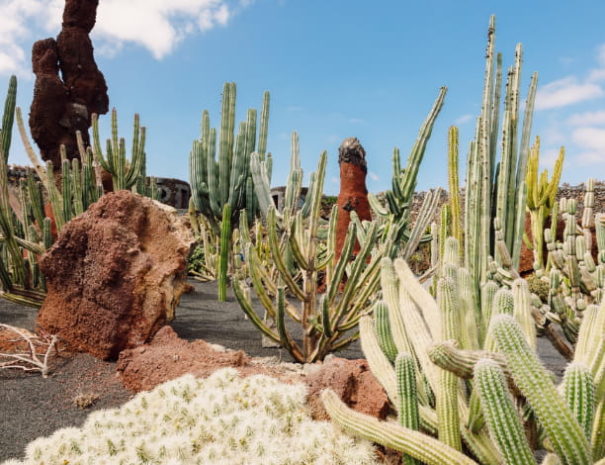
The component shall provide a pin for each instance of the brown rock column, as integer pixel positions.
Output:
(353, 192)
(63, 104)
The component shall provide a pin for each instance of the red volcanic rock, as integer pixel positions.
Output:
(115, 274)
(353, 194)
(63, 104)
(354, 383)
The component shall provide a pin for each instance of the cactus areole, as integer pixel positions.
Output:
(353, 194)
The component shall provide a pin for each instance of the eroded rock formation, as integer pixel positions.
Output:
(115, 274)
(69, 87)
(353, 191)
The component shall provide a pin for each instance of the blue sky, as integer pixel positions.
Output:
(335, 68)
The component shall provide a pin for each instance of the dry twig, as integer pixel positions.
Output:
(30, 361)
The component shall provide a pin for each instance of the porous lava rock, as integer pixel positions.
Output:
(354, 383)
(353, 195)
(115, 274)
(69, 86)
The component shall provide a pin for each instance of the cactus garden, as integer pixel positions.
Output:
(280, 307)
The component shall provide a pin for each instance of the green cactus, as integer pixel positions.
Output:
(224, 252)
(408, 401)
(499, 410)
(228, 179)
(447, 393)
(533, 381)
(541, 197)
(383, 329)
(580, 395)
(124, 174)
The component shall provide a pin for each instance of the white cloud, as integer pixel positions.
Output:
(463, 119)
(590, 138)
(589, 118)
(566, 91)
(356, 121)
(373, 176)
(159, 26)
(591, 142)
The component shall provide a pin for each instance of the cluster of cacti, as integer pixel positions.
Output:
(541, 199)
(494, 189)
(25, 233)
(574, 275)
(49, 197)
(398, 202)
(227, 184)
(124, 174)
(485, 396)
(216, 182)
(224, 419)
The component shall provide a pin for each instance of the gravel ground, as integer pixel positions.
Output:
(31, 406)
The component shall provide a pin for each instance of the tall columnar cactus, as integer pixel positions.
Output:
(228, 179)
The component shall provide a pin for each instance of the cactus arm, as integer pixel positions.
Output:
(278, 258)
(533, 381)
(264, 125)
(502, 420)
(454, 186)
(413, 443)
(249, 310)
(420, 296)
(408, 401)
(6, 130)
(383, 330)
(579, 392)
(31, 154)
(289, 344)
(522, 311)
(447, 392)
(379, 363)
(224, 251)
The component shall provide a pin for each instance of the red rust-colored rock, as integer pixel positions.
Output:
(115, 274)
(353, 194)
(63, 103)
(354, 383)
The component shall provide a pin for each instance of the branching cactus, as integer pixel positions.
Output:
(228, 179)
(294, 238)
(394, 215)
(541, 198)
(124, 174)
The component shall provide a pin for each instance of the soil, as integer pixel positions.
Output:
(31, 406)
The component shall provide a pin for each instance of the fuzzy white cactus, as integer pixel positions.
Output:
(221, 420)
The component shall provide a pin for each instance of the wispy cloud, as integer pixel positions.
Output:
(591, 142)
(589, 118)
(566, 91)
(463, 119)
(159, 27)
(373, 176)
(356, 121)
